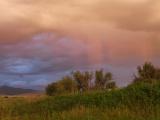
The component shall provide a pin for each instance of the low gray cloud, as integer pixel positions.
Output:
(39, 60)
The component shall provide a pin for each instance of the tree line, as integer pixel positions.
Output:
(82, 81)
(99, 80)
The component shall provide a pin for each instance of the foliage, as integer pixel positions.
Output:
(62, 86)
(101, 79)
(82, 81)
(139, 101)
(52, 89)
(147, 72)
(67, 84)
(111, 85)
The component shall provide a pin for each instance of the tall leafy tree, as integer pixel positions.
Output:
(147, 72)
(99, 78)
(83, 79)
(102, 79)
(78, 77)
(88, 76)
(67, 84)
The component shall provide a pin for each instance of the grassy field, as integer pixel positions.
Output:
(135, 102)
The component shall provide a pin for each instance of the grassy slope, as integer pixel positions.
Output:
(137, 102)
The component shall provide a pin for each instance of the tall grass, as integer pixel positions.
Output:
(140, 101)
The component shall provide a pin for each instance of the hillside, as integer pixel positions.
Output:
(6, 90)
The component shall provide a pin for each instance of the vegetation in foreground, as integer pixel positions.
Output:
(138, 101)
(135, 102)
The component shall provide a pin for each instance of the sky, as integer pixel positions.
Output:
(43, 40)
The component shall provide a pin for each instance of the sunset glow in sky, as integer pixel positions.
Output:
(42, 40)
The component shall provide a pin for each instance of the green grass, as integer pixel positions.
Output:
(140, 101)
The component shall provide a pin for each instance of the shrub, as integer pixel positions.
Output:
(52, 89)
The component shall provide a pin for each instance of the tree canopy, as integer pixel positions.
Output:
(147, 72)
(82, 81)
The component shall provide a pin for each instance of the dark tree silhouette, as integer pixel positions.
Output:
(52, 89)
(147, 72)
(102, 79)
(83, 80)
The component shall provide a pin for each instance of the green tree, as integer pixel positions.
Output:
(147, 72)
(102, 79)
(79, 79)
(52, 89)
(99, 76)
(67, 84)
(88, 76)
(83, 79)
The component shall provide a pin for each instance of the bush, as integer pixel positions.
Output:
(66, 85)
(139, 94)
(51, 89)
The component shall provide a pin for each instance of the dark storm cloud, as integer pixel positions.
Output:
(39, 60)
(42, 40)
(40, 54)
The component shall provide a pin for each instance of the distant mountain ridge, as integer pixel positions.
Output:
(7, 90)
